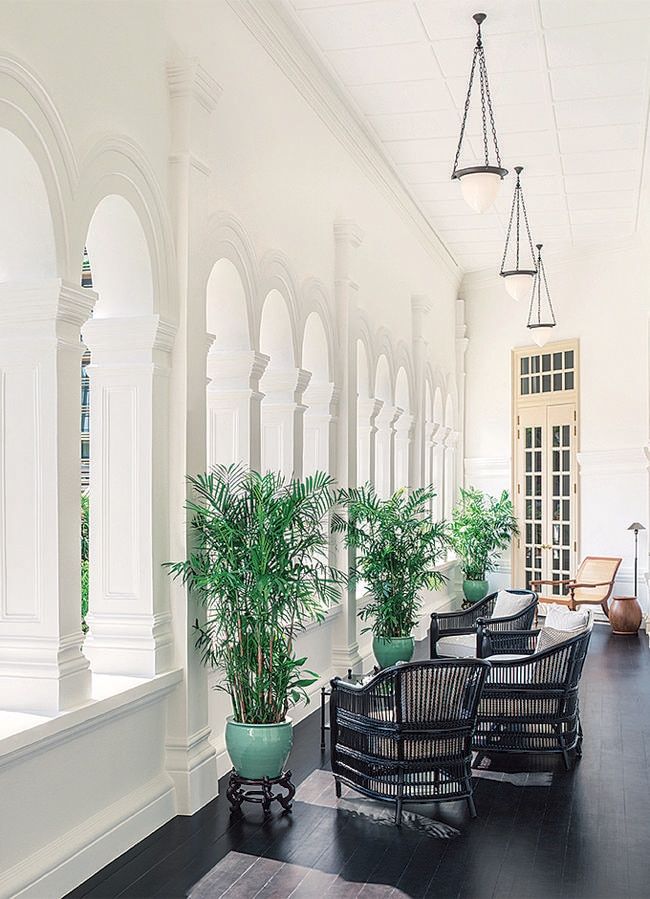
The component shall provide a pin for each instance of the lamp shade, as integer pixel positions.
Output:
(541, 334)
(479, 187)
(519, 284)
(636, 526)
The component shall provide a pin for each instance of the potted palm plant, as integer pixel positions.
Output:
(482, 526)
(260, 570)
(398, 549)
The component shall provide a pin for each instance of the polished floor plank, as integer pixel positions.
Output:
(542, 832)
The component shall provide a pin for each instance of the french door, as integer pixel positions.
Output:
(545, 476)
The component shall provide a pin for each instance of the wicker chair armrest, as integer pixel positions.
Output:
(346, 685)
(552, 583)
(505, 642)
(575, 584)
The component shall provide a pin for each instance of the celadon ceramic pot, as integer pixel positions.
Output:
(475, 591)
(259, 750)
(390, 650)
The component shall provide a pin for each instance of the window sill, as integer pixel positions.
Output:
(22, 734)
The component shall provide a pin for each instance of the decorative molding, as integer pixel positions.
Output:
(347, 231)
(617, 462)
(190, 79)
(277, 32)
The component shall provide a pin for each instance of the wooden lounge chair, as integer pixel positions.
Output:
(592, 585)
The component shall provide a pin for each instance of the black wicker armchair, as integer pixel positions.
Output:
(455, 634)
(531, 704)
(404, 736)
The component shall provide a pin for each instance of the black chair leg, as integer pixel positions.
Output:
(398, 812)
(471, 806)
(337, 787)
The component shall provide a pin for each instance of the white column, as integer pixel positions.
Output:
(319, 428)
(347, 239)
(451, 484)
(462, 342)
(439, 433)
(42, 668)
(385, 450)
(129, 617)
(190, 756)
(404, 426)
(233, 406)
(368, 409)
(420, 307)
(282, 420)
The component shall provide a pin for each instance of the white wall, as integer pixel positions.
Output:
(601, 299)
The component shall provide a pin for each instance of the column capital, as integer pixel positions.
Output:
(129, 339)
(236, 369)
(28, 310)
(188, 79)
(369, 408)
(420, 302)
(321, 398)
(284, 385)
(347, 231)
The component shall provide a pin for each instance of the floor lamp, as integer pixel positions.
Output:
(636, 527)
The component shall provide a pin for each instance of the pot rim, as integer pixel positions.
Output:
(230, 720)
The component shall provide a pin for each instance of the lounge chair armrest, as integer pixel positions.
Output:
(552, 583)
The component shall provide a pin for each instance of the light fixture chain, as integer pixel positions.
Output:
(466, 110)
(518, 195)
(489, 106)
(510, 220)
(530, 239)
(481, 75)
(548, 293)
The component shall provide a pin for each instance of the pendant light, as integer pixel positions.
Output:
(480, 184)
(518, 280)
(540, 321)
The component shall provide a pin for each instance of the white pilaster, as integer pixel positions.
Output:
(462, 342)
(191, 760)
(439, 435)
(368, 410)
(451, 472)
(420, 308)
(42, 667)
(385, 450)
(233, 406)
(404, 429)
(129, 617)
(321, 401)
(347, 239)
(282, 420)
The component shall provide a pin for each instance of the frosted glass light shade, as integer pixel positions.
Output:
(519, 284)
(541, 334)
(480, 189)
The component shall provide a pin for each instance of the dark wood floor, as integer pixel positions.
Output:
(584, 833)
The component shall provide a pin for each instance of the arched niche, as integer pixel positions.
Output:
(318, 398)
(385, 429)
(27, 242)
(276, 336)
(403, 429)
(383, 386)
(119, 260)
(282, 386)
(227, 308)
(438, 414)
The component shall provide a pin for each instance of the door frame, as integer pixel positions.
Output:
(553, 398)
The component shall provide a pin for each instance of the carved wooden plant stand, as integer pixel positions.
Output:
(241, 789)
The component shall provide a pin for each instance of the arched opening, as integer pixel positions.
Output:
(451, 480)
(40, 355)
(367, 408)
(129, 354)
(282, 386)
(403, 431)
(385, 423)
(318, 397)
(233, 371)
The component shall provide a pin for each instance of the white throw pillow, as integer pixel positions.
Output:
(508, 604)
(562, 619)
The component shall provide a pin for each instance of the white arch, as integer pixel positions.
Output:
(383, 379)
(227, 307)
(276, 331)
(119, 260)
(315, 351)
(402, 391)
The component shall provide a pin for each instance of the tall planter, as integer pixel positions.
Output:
(260, 569)
(475, 590)
(398, 549)
(481, 527)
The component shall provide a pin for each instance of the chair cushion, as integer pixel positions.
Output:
(461, 646)
(508, 657)
(560, 625)
(508, 604)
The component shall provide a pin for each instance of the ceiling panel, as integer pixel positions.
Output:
(570, 87)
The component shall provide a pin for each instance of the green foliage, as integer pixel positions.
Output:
(85, 524)
(260, 570)
(398, 548)
(481, 528)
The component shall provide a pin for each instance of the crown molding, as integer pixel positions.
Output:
(280, 35)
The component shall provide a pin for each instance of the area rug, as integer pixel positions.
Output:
(483, 770)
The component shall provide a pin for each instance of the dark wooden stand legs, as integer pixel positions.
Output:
(240, 790)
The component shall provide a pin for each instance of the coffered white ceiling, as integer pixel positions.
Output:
(569, 80)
